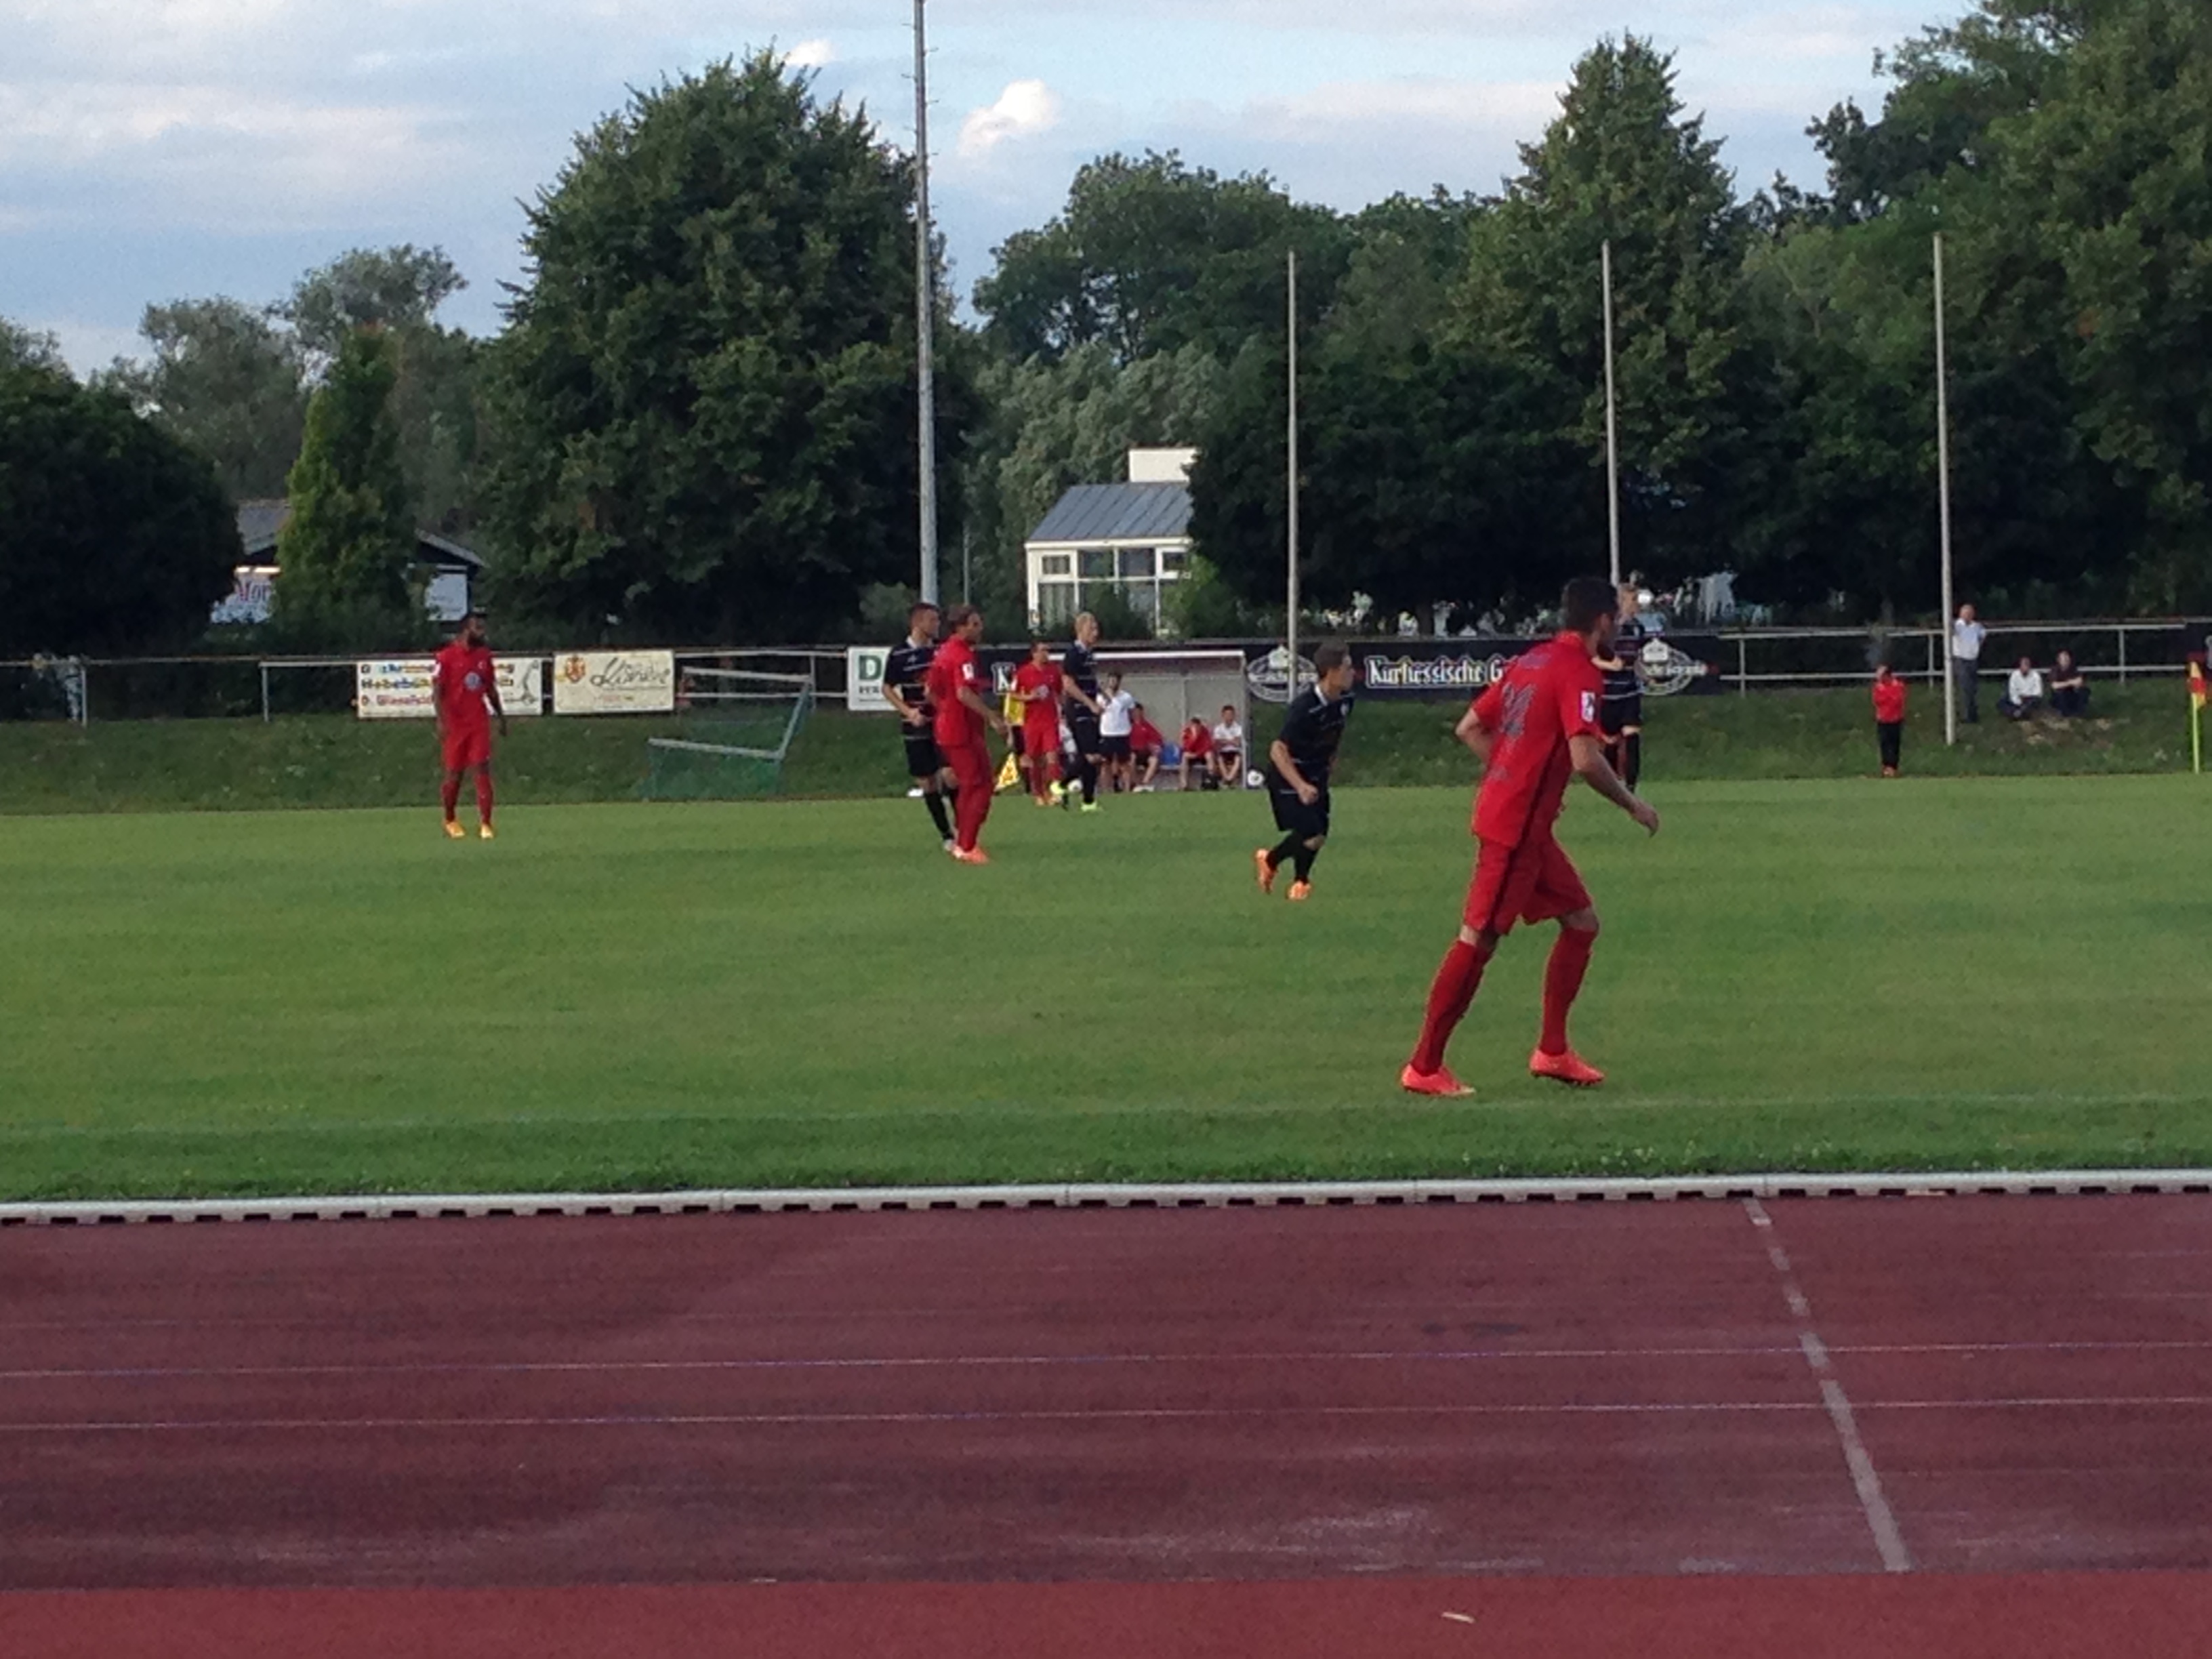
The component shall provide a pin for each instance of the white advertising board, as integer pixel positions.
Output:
(864, 680)
(615, 683)
(399, 688)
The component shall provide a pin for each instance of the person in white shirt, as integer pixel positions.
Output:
(1966, 637)
(2023, 691)
(1117, 710)
(1228, 757)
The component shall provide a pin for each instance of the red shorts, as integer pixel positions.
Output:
(1535, 881)
(970, 765)
(1041, 736)
(466, 746)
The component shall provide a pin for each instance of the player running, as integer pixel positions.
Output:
(906, 688)
(1533, 729)
(464, 693)
(956, 692)
(1036, 689)
(1079, 672)
(1298, 764)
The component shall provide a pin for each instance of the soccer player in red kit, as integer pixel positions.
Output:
(956, 692)
(464, 691)
(1037, 688)
(1535, 727)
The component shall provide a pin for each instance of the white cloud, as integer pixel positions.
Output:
(813, 54)
(1024, 108)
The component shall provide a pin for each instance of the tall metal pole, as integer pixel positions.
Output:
(1943, 499)
(1290, 480)
(1612, 428)
(925, 306)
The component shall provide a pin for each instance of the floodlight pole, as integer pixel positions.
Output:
(925, 306)
(1291, 481)
(1612, 425)
(1944, 500)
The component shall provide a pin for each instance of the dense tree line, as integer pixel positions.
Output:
(698, 419)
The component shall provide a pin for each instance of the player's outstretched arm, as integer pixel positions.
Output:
(1593, 769)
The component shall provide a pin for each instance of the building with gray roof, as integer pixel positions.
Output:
(1133, 537)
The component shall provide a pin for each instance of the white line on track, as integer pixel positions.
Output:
(1168, 1195)
(1104, 1414)
(1866, 1480)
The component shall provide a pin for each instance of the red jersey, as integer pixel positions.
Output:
(1543, 698)
(1144, 737)
(958, 726)
(1196, 739)
(1889, 700)
(462, 677)
(1036, 687)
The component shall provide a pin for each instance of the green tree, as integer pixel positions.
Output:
(702, 411)
(23, 348)
(1152, 255)
(394, 289)
(346, 558)
(120, 538)
(226, 380)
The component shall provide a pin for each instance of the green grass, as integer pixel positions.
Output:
(1855, 975)
(333, 761)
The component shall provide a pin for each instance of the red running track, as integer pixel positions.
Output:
(1197, 1430)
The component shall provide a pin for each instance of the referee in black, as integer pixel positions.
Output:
(906, 688)
(1078, 684)
(1620, 709)
(1298, 764)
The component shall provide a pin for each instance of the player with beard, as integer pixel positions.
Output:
(464, 693)
(957, 683)
(906, 688)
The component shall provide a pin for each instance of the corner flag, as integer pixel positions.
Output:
(2199, 693)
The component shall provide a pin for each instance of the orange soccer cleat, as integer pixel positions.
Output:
(1301, 891)
(1266, 870)
(972, 855)
(454, 832)
(1439, 1082)
(1570, 1068)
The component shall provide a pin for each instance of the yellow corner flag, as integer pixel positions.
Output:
(2199, 695)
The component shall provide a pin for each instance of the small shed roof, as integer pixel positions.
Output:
(260, 522)
(1118, 513)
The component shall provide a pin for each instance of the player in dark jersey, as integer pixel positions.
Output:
(1078, 681)
(1298, 765)
(1620, 710)
(906, 688)
(1535, 729)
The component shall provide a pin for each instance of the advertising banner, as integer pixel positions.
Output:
(615, 683)
(1444, 669)
(864, 680)
(399, 688)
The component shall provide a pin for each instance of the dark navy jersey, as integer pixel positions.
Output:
(1622, 685)
(1081, 665)
(1311, 732)
(906, 671)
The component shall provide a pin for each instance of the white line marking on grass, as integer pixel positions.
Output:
(1888, 1542)
(1157, 1195)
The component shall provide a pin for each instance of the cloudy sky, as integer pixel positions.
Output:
(154, 150)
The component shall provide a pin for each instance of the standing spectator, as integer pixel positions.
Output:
(1889, 718)
(1145, 742)
(1116, 709)
(2023, 691)
(1197, 744)
(2069, 688)
(1966, 637)
(1229, 748)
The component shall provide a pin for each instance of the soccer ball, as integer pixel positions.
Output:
(1254, 778)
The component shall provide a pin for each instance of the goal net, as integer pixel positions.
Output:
(734, 730)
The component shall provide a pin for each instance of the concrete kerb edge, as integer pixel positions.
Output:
(1168, 1195)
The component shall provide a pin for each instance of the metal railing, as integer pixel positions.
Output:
(1829, 656)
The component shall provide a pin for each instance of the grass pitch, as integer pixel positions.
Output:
(1917, 975)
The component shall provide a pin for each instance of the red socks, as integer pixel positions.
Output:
(1450, 998)
(450, 795)
(1563, 982)
(483, 794)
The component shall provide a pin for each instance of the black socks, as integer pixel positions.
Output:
(934, 801)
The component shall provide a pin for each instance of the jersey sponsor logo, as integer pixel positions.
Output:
(474, 681)
(1589, 706)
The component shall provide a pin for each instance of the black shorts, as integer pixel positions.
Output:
(923, 759)
(1617, 715)
(1113, 747)
(1014, 740)
(1293, 817)
(1083, 726)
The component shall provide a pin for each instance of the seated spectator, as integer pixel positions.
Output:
(1229, 747)
(2023, 691)
(2069, 688)
(1197, 752)
(1145, 742)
